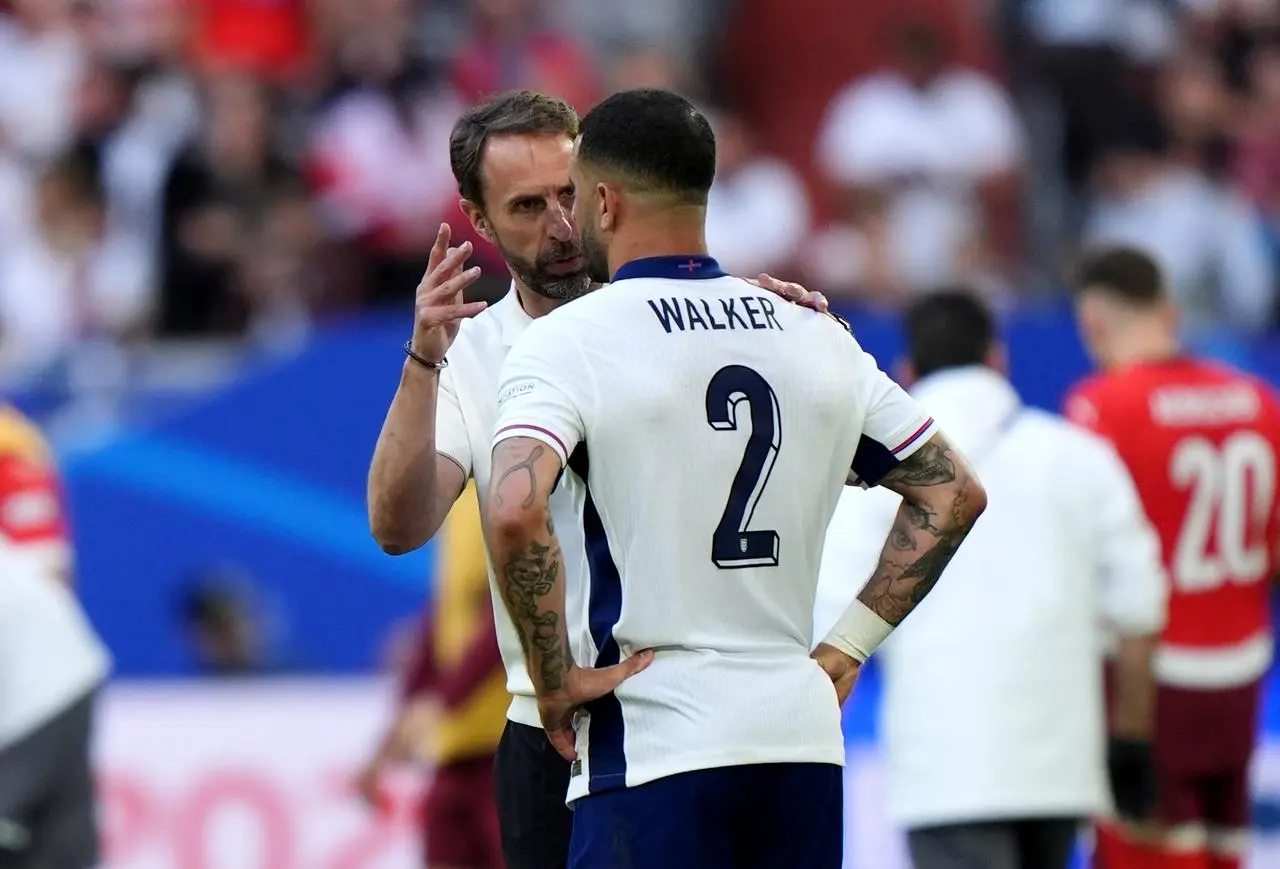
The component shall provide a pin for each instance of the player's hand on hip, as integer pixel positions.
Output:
(792, 292)
(842, 670)
(581, 686)
(439, 306)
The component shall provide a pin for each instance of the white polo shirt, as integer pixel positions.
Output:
(50, 656)
(465, 415)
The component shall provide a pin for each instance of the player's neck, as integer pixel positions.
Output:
(1143, 344)
(676, 235)
(535, 305)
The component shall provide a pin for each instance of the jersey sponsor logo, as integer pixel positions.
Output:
(516, 390)
(677, 314)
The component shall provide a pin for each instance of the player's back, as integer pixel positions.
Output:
(1201, 440)
(720, 425)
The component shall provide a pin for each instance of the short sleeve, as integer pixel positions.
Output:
(543, 393)
(894, 427)
(451, 428)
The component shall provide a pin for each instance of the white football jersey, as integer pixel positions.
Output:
(707, 428)
(465, 413)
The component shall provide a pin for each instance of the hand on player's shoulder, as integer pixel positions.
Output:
(792, 292)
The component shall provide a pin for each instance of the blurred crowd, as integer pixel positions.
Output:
(177, 169)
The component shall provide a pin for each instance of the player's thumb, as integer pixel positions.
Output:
(564, 741)
(604, 680)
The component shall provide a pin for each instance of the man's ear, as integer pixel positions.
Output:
(475, 213)
(609, 199)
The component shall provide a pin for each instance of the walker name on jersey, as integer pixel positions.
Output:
(715, 315)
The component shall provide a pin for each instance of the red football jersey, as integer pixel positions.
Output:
(1201, 440)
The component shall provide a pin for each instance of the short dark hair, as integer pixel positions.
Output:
(948, 329)
(1124, 273)
(657, 140)
(514, 113)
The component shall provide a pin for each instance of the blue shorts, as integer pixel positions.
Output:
(765, 816)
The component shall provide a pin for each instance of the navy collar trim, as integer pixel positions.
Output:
(696, 268)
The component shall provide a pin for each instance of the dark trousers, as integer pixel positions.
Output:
(1029, 843)
(530, 783)
(47, 801)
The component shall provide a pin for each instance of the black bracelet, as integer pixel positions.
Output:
(424, 361)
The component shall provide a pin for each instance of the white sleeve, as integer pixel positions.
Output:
(1132, 587)
(451, 427)
(894, 427)
(542, 393)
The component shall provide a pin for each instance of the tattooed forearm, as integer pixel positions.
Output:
(941, 500)
(526, 553)
(531, 579)
(527, 465)
(932, 465)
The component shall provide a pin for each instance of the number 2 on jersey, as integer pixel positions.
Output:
(1232, 491)
(732, 545)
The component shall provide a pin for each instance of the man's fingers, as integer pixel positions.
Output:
(446, 290)
(452, 260)
(438, 249)
(603, 680)
(564, 741)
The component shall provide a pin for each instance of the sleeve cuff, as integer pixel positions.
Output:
(538, 433)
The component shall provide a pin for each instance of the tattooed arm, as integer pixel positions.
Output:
(526, 555)
(941, 499)
(531, 577)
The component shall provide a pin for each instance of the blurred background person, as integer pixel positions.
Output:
(52, 665)
(453, 706)
(925, 156)
(973, 776)
(1201, 440)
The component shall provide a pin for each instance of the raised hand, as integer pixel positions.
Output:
(439, 308)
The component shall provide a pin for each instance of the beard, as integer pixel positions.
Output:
(597, 258)
(537, 277)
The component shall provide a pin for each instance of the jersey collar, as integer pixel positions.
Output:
(681, 268)
(512, 318)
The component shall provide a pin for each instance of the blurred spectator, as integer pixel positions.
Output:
(1257, 158)
(74, 278)
(758, 210)
(379, 155)
(926, 158)
(268, 38)
(216, 191)
(41, 61)
(514, 46)
(1205, 236)
(1196, 106)
(647, 65)
(227, 626)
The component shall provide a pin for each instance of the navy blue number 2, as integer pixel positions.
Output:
(732, 545)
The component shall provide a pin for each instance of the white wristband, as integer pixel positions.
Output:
(859, 632)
